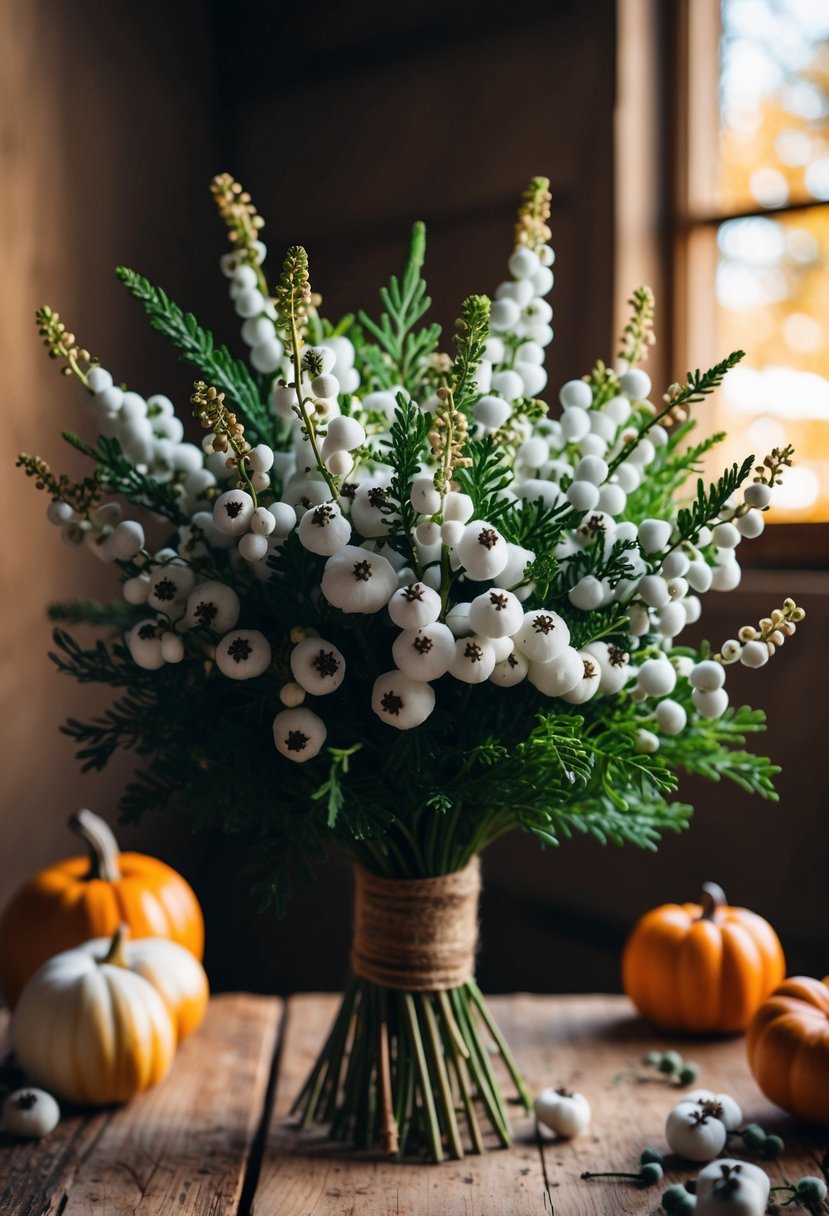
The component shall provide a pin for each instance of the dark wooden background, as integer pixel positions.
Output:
(347, 121)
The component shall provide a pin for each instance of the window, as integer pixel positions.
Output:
(752, 231)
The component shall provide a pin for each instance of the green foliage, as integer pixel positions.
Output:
(118, 475)
(709, 502)
(118, 614)
(400, 352)
(699, 384)
(484, 479)
(714, 751)
(196, 346)
(407, 440)
(470, 340)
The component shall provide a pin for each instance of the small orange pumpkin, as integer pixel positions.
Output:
(788, 1048)
(701, 968)
(84, 897)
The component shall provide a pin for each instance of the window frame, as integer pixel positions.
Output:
(668, 101)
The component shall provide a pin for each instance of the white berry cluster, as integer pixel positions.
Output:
(427, 569)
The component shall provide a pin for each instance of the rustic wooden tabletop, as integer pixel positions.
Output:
(216, 1138)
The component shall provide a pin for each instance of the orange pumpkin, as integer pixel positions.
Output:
(701, 968)
(788, 1048)
(84, 897)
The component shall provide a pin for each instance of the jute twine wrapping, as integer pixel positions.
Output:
(418, 934)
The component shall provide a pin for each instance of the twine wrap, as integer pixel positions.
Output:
(419, 934)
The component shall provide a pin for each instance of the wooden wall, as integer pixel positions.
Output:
(346, 128)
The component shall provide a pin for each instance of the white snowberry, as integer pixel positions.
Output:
(232, 512)
(424, 653)
(473, 660)
(751, 524)
(587, 687)
(654, 534)
(510, 671)
(670, 717)
(127, 540)
(144, 644)
(587, 594)
(656, 677)
(243, 654)
(756, 495)
(614, 663)
(457, 618)
(542, 636)
(576, 394)
(710, 703)
(169, 586)
(482, 550)
(30, 1112)
(172, 647)
(646, 742)
(413, 606)
(400, 701)
(558, 676)
(253, 546)
(212, 605)
(575, 423)
(496, 613)
(754, 654)
(654, 591)
(356, 580)
(726, 536)
(707, 676)
(324, 529)
(317, 666)
(457, 506)
(298, 734)
(491, 412)
(635, 383)
(564, 1112)
(583, 495)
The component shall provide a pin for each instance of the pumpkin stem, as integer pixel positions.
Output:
(712, 899)
(115, 956)
(103, 847)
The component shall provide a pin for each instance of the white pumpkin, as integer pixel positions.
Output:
(177, 976)
(30, 1113)
(91, 1031)
(696, 1131)
(739, 1188)
(565, 1113)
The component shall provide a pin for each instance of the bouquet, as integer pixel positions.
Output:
(390, 602)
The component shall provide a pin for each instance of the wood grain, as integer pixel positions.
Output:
(192, 1145)
(184, 1146)
(583, 1042)
(305, 1174)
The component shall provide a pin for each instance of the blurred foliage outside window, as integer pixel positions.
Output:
(771, 218)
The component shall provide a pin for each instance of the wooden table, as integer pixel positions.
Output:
(215, 1137)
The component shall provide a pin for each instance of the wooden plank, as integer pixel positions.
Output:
(583, 1042)
(304, 1174)
(184, 1146)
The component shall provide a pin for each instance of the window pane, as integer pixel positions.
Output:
(773, 302)
(774, 103)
